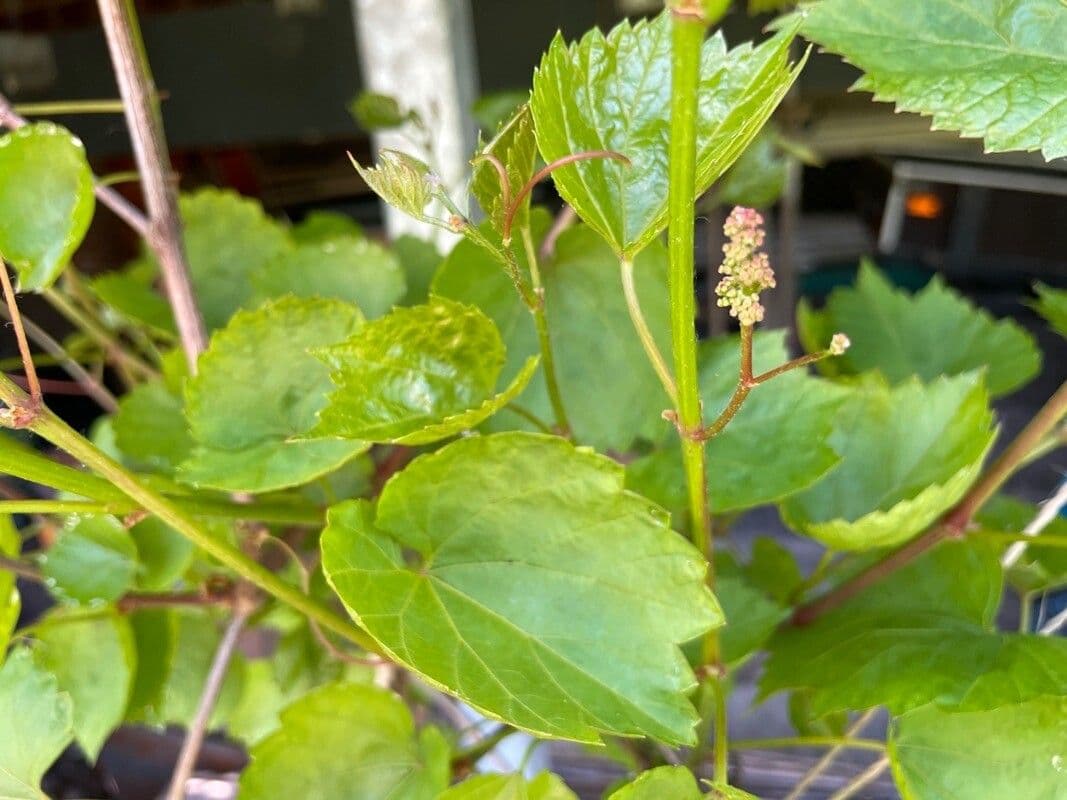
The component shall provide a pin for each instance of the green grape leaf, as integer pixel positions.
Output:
(227, 238)
(37, 726)
(515, 148)
(150, 428)
(135, 300)
(377, 112)
(858, 661)
(484, 570)
(1012, 751)
(163, 553)
(932, 333)
(416, 376)
(544, 786)
(927, 593)
(258, 387)
(677, 783)
(344, 741)
(358, 271)
(610, 392)
(46, 201)
(613, 93)
(196, 638)
(751, 615)
(322, 226)
(93, 659)
(419, 260)
(773, 569)
(94, 560)
(1039, 568)
(10, 601)
(908, 454)
(1052, 305)
(400, 180)
(994, 70)
(757, 178)
(155, 635)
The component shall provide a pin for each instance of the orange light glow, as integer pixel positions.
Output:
(924, 205)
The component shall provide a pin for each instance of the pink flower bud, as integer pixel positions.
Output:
(746, 271)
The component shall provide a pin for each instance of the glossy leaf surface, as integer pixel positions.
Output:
(908, 453)
(258, 387)
(589, 644)
(419, 375)
(515, 147)
(613, 93)
(46, 201)
(94, 560)
(993, 69)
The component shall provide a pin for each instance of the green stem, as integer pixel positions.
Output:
(648, 341)
(529, 416)
(51, 428)
(58, 107)
(688, 35)
(722, 732)
(548, 359)
(469, 756)
(103, 498)
(809, 741)
(1044, 540)
(276, 513)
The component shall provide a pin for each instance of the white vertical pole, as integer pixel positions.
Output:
(422, 53)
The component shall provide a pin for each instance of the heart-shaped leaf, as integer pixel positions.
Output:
(908, 453)
(356, 270)
(227, 239)
(37, 726)
(257, 388)
(676, 783)
(344, 741)
(1011, 751)
(484, 570)
(93, 560)
(416, 376)
(46, 201)
(93, 659)
(993, 69)
(613, 93)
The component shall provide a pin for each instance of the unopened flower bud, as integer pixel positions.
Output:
(746, 271)
(839, 344)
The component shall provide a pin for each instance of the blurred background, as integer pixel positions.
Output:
(257, 96)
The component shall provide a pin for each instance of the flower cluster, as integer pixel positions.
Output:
(839, 344)
(746, 271)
